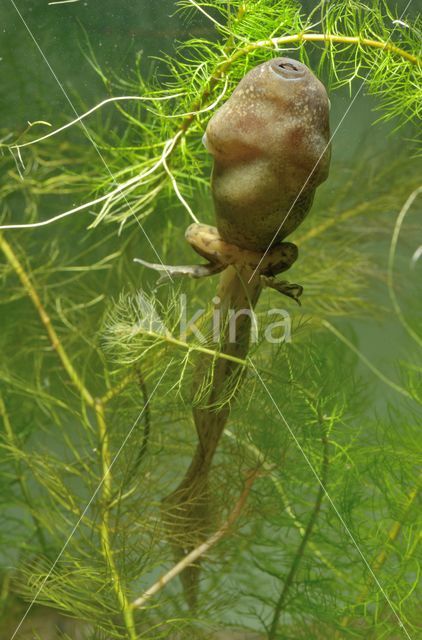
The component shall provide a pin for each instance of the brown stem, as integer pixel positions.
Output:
(203, 548)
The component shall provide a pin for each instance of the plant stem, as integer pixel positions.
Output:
(52, 334)
(306, 536)
(45, 319)
(317, 230)
(98, 406)
(105, 522)
(147, 420)
(286, 506)
(382, 556)
(326, 37)
(276, 42)
(118, 388)
(187, 509)
(19, 474)
(396, 528)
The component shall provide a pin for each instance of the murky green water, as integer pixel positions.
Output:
(44, 70)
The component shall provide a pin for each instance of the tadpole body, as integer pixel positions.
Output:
(271, 148)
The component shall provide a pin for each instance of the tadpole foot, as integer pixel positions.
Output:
(289, 289)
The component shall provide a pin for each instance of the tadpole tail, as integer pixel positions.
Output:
(188, 509)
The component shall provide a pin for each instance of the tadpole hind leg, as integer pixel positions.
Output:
(190, 270)
(289, 289)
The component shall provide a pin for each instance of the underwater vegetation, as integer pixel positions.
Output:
(171, 468)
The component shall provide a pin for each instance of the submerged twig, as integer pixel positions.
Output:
(201, 549)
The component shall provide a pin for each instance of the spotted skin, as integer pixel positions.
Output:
(271, 147)
(207, 241)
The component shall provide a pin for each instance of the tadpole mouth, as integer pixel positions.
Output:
(288, 69)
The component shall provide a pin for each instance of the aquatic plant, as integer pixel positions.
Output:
(312, 520)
